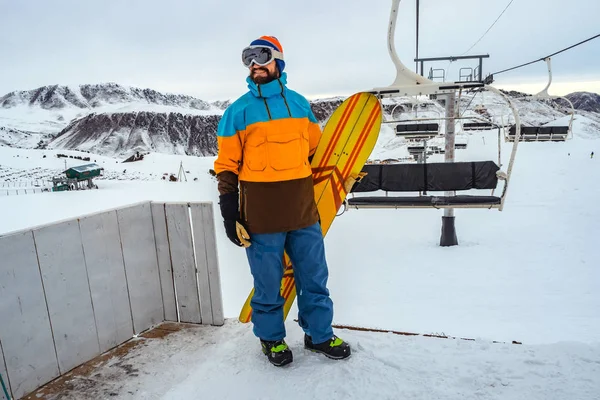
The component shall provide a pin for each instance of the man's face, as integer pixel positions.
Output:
(264, 74)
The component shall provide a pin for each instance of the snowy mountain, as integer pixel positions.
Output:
(115, 120)
(585, 101)
(94, 96)
(31, 118)
(119, 134)
(21, 139)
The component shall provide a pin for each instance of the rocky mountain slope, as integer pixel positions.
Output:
(585, 101)
(119, 134)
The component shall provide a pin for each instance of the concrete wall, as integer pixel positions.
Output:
(72, 290)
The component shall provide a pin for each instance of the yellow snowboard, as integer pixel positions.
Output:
(347, 141)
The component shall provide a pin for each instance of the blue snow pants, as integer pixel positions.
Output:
(307, 252)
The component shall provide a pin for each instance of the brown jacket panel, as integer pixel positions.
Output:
(270, 207)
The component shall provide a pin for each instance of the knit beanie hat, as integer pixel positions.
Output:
(272, 42)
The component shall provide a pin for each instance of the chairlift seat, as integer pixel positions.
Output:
(544, 133)
(560, 130)
(477, 126)
(426, 177)
(423, 131)
(559, 133)
(540, 133)
(529, 132)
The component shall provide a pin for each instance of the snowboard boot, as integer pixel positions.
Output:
(334, 348)
(278, 352)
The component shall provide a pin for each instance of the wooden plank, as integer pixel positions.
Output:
(106, 273)
(209, 280)
(141, 266)
(214, 274)
(65, 279)
(25, 329)
(201, 264)
(4, 376)
(165, 270)
(184, 266)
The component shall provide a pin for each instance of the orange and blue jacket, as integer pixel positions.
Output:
(265, 139)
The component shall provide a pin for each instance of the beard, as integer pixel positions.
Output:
(263, 79)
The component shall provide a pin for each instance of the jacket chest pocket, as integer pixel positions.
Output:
(255, 154)
(285, 151)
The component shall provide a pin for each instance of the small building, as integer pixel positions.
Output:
(76, 178)
(86, 171)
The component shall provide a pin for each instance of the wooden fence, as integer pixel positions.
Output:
(72, 290)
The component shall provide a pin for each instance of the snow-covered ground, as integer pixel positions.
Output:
(530, 273)
(225, 363)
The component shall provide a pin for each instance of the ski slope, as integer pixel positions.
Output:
(529, 273)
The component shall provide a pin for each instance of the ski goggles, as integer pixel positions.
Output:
(259, 55)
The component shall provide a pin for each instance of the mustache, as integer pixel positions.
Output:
(260, 69)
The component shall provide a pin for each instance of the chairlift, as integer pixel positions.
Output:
(477, 126)
(424, 177)
(483, 121)
(545, 133)
(415, 129)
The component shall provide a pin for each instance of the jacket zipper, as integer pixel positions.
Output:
(265, 101)
(244, 202)
(284, 99)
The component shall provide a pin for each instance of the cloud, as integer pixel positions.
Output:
(193, 47)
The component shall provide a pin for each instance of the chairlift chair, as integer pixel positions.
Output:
(545, 133)
(415, 129)
(447, 177)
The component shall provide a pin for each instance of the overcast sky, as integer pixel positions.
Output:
(332, 47)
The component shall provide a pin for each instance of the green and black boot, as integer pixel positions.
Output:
(334, 348)
(278, 352)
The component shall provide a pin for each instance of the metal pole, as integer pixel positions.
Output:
(417, 50)
(480, 69)
(449, 237)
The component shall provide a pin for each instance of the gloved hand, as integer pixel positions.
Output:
(235, 229)
(237, 233)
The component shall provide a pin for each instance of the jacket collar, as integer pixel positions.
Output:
(270, 89)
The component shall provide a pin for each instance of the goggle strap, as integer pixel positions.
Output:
(278, 55)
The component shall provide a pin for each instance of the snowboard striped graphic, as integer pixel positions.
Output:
(346, 143)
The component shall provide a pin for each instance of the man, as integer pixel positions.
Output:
(266, 139)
